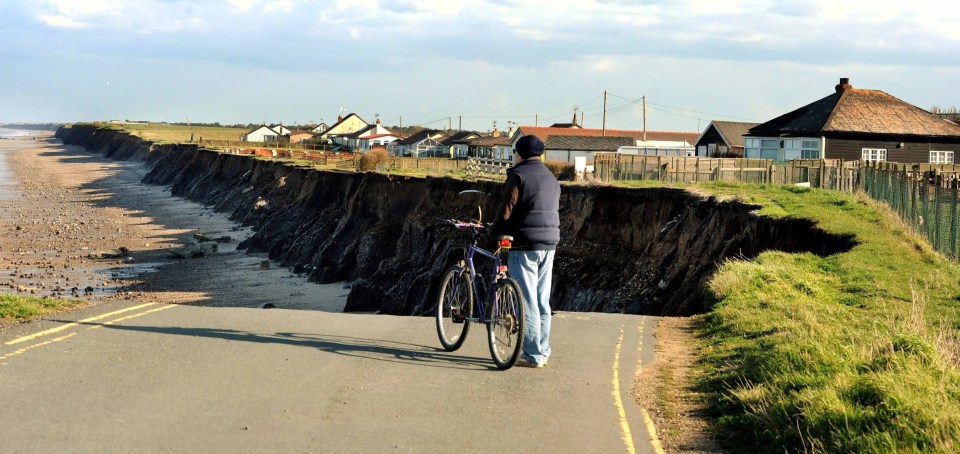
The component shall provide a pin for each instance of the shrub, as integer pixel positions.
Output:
(564, 171)
(370, 159)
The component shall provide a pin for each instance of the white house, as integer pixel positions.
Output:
(423, 144)
(366, 138)
(265, 133)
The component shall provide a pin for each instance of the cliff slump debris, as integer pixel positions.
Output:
(645, 251)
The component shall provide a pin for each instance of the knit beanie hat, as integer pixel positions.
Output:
(529, 146)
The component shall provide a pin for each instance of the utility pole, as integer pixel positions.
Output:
(644, 118)
(401, 126)
(449, 123)
(603, 132)
(536, 119)
(460, 123)
(581, 119)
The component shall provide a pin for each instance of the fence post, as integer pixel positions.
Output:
(659, 170)
(696, 170)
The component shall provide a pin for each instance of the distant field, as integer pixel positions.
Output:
(160, 133)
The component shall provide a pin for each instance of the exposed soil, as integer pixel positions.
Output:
(666, 389)
(84, 227)
(640, 251)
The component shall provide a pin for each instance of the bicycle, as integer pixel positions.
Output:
(500, 306)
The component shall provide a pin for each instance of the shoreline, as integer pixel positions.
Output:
(84, 227)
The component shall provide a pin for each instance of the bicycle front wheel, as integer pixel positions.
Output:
(505, 328)
(454, 307)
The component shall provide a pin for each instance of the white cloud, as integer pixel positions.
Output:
(278, 6)
(242, 5)
(75, 8)
(62, 21)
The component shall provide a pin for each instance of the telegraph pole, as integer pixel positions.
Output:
(603, 132)
(460, 123)
(644, 118)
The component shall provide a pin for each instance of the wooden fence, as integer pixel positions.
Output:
(834, 174)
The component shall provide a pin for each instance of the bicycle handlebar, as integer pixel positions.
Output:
(461, 225)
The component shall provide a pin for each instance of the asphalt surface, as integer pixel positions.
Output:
(131, 377)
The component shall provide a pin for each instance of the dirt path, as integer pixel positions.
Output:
(666, 388)
(79, 226)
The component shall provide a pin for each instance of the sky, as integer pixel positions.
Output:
(473, 64)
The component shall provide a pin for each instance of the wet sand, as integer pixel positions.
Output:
(76, 225)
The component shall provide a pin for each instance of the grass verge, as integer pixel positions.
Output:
(854, 352)
(19, 308)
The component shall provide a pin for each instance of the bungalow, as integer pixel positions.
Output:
(424, 144)
(344, 126)
(459, 143)
(495, 147)
(723, 139)
(300, 136)
(566, 148)
(649, 140)
(852, 124)
(366, 138)
(320, 128)
(265, 133)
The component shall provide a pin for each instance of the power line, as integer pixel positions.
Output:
(684, 109)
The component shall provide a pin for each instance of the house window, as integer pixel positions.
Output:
(941, 157)
(810, 149)
(874, 154)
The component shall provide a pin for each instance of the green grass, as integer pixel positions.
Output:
(16, 308)
(855, 352)
(160, 133)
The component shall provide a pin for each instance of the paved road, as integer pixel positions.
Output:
(164, 378)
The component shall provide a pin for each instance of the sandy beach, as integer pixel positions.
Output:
(79, 226)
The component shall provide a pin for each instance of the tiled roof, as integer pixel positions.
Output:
(588, 143)
(490, 141)
(460, 136)
(345, 119)
(859, 111)
(544, 133)
(421, 136)
(731, 131)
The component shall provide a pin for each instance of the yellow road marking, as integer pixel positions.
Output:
(651, 428)
(161, 308)
(40, 344)
(625, 433)
(72, 324)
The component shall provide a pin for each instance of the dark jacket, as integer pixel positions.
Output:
(529, 207)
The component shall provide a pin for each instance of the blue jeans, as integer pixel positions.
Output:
(533, 270)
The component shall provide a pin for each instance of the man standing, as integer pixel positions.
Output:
(530, 212)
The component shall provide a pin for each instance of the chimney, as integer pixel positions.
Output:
(844, 84)
(496, 132)
(378, 120)
(339, 118)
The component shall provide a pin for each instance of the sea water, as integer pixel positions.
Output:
(7, 146)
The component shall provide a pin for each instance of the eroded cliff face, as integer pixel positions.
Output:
(645, 251)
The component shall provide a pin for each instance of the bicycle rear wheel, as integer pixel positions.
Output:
(454, 306)
(505, 329)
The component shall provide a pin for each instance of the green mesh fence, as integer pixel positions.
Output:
(926, 201)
